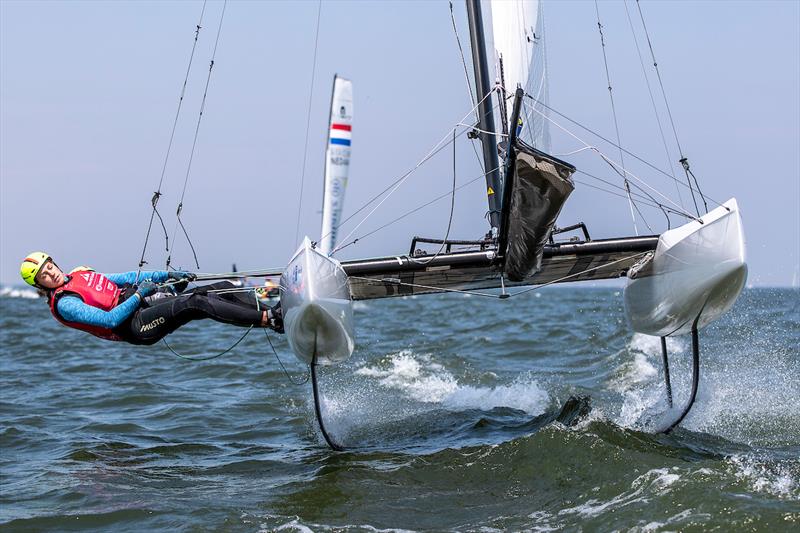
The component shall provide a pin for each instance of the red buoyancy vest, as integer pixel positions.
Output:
(94, 289)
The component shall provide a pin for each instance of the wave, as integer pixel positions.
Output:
(423, 380)
(365, 405)
(748, 392)
(11, 292)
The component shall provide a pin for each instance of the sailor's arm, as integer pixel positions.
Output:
(73, 309)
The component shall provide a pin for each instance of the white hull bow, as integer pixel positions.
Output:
(317, 308)
(697, 270)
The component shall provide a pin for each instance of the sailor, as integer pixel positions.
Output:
(113, 307)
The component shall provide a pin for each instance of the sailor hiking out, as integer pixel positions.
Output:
(115, 307)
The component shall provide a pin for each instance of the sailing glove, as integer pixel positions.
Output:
(146, 288)
(180, 275)
(275, 315)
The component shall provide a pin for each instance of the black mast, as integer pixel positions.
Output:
(486, 117)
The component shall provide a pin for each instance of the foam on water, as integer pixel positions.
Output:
(781, 479)
(749, 394)
(11, 292)
(653, 482)
(422, 380)
(409, 386)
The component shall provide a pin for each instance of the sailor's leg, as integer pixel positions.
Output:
(151, 324)
(227, 290)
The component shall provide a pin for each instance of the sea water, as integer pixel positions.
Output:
(449, 411)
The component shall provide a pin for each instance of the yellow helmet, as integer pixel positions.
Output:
(31, 266)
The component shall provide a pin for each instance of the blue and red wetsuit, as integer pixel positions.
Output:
(100, 304)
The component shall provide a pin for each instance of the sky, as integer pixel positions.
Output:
(89, 90)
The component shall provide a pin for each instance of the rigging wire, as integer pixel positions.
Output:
(418, 208)
(684, 160)
(615, 165)
(466, 77)
(616, 122)
(643, 197)
(392, 187)
(452, 208)
(308, 125)
(653, 102)
(612, 143)
(157, 193)
(178, 211)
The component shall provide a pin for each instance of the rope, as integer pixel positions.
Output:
(395, 281)
(208, 358)
(684, 161)
(616, 122)
(644, 197)
(220, 354)
(157, 194)
(308, 124)
(463, 59)
(194, 145)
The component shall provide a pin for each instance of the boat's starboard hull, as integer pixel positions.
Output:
(694, 276)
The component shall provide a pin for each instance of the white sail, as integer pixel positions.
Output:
(337, 161)
(519, 46)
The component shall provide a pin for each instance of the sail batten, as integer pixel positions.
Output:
(337, 161)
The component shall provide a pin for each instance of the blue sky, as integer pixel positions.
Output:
(88, 92)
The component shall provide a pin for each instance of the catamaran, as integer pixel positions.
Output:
(677, 282)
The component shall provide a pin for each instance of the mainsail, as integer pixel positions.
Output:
(518, 48)
(337, 161)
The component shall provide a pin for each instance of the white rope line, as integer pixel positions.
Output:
(574, 151)
(476, 128)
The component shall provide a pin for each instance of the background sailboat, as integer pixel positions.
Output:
(337, 161)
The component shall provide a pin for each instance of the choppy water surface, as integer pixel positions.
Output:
(453, 408)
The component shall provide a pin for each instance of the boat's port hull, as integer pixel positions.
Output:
(695, 274)
(317, 308)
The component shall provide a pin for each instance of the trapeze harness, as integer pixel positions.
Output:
(93, 289)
